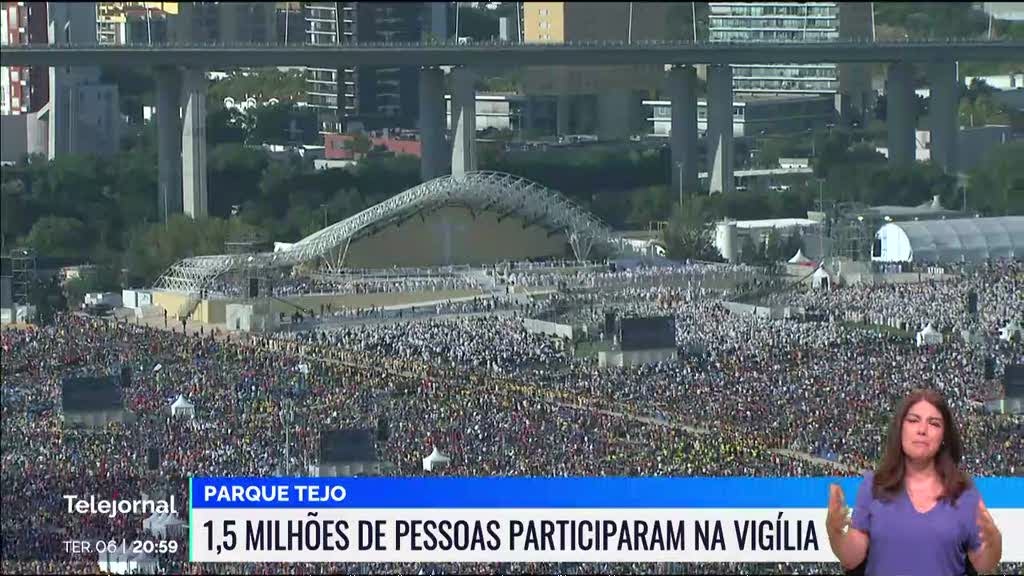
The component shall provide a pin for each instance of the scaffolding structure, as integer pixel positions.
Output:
(23, 274)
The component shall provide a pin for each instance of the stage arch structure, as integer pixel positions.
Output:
(479, 192)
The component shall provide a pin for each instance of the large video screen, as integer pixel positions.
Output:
(648, 333)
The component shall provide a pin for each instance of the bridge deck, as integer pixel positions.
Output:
(499, 54)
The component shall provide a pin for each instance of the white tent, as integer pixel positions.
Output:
(126, 563)
(800, 259)
(821, 278)
(182, 407)
(435, 460)
(929, 336)
(953, 240)
(1010, 330)
(164, 526)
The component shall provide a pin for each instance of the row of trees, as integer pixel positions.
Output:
(81, 209)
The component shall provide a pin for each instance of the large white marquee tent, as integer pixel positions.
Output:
(955, 240)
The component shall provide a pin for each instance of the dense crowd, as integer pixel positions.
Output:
(295, 286)
(942, 302)
(745, 396)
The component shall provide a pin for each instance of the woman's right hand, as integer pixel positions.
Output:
(838, 517)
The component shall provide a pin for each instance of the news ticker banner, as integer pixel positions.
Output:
(534, 519)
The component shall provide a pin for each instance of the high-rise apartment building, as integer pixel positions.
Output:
(291, 25)
(120, 23)
(778, 22)
(226, 22)
(23, 89)
(371, 97)
(790, 22)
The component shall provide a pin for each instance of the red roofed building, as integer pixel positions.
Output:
(335, 146)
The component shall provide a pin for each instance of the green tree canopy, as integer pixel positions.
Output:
(60, 237)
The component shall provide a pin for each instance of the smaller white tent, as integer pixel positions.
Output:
(821, 278)
(164, 526)
(1010, 330)
(182, 407)
(800, 259)
(435, 460)
(929, 336)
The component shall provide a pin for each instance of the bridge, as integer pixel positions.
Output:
(507, 54)
(182, 84)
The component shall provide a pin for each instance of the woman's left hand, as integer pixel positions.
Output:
(987, 531)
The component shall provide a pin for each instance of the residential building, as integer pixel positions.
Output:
(1010, 11)
(330, 91)
(120, 23)
(367, 97)
(23, 89)
(598, 99)
(778, 22)
(494, 111)
(71, 112)
(290, 22)
(336, 145)
(226, 22)
(798, 22)
(765, 115)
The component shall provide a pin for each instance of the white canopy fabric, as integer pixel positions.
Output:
(954, 240)
(435, 460)
(182, 407)
(799, 258)
(1010, 330)
(163, 525)
(929, 336)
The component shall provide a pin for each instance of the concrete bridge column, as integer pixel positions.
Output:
(901, 113)
(432, 121)
(614, 113)
(463, 122)
(529, 116)
(720, 129)
(562, 112)
(168, 128)
(682, 90)
(193, 144)
(943, 112)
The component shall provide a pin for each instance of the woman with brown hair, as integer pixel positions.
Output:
(919, 513)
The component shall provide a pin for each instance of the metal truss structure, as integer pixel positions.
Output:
(506, 194)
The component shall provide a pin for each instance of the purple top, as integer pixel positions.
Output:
(905, 542)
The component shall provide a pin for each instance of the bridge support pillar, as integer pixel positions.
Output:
(432, 119)
(682, 89)
(562, 111)
(615, 111)
(193, 144)
(943, 110)
(901, 113)
(463, 122)
(168, 128)
(719, 136)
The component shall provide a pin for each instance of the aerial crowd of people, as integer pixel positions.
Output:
(746, 396)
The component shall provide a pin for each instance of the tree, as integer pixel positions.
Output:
(226, 125)
(793, 243)
(62, 238)
(262, 84)
(686, 237)
(48, 299)
(749, 252)
(358, 144)
(997, 185)
(773, 246)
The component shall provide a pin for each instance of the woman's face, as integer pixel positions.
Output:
(923, 431)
